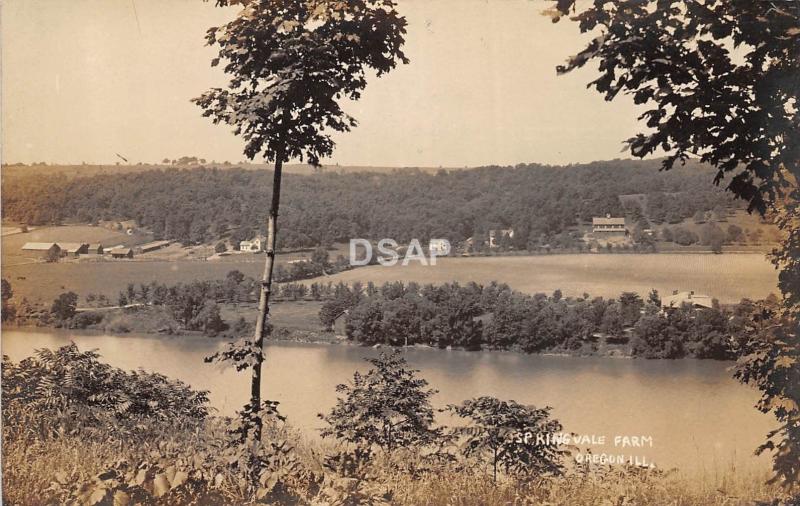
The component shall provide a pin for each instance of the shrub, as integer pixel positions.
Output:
(86, 319)
(388, 407)
(684, 237)
(69, 390)
(505, 433)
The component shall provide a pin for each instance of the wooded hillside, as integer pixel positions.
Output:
(202, 204)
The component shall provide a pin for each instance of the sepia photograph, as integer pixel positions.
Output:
(400, 252)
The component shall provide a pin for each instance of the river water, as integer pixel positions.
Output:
(689, 414)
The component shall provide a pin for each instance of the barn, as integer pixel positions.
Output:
(42, 249)
(74, 248)
(152, 246)
(95, 249)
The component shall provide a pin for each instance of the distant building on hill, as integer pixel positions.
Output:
(678, 299)
(608, 225)
(496, 235)
(255, 245)
(439, 247)
(126, 226)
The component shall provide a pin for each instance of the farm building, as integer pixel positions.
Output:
(439, 247)
(74, 248)
(608, 225)
(339, 325)
(43, 249)
(95, 249)
(496, 235)
(121, 253)
(678, 299)
(254, 245)
(152, 246)
(127, 226)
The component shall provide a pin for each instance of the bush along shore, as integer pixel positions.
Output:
(469, 317)
(78, 431)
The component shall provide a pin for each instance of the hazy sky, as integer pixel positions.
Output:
(84, 79)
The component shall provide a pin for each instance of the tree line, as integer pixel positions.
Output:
(496, 317)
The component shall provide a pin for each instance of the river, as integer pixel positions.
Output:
(698, 418)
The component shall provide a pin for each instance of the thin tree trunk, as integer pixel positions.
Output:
(266, 289)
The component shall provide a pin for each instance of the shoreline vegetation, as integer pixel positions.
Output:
(471, 317)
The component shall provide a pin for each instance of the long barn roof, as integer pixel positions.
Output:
(38, 246)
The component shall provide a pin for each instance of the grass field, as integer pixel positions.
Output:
(46, 281)
(729, 278)
(726, 277)
(300, 315)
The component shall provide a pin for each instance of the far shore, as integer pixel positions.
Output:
(317, 338)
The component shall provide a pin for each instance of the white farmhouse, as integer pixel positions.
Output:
(439, 247)
(254, 246)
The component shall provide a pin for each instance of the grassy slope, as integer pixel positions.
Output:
(29, 471)
(726, 277)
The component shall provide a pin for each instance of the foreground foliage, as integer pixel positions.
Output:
(76, 440)
(719, 81)
(388, 407)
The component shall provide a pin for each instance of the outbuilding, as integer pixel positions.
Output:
(74, 248)
(121, 253)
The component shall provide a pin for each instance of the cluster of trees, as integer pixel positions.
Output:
(60, 312)
(713, 235)
(319, 264)
(496, 317)
(541, 203)
(186, 160)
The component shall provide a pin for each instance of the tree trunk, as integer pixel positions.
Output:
(266, 288)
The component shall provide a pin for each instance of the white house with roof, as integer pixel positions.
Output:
(439, 247)
(254, 245)
(496, 235)
(608, 225)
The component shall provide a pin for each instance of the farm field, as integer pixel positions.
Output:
(726, 277)
(35, 279)
(46, 281)
(729, 278)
